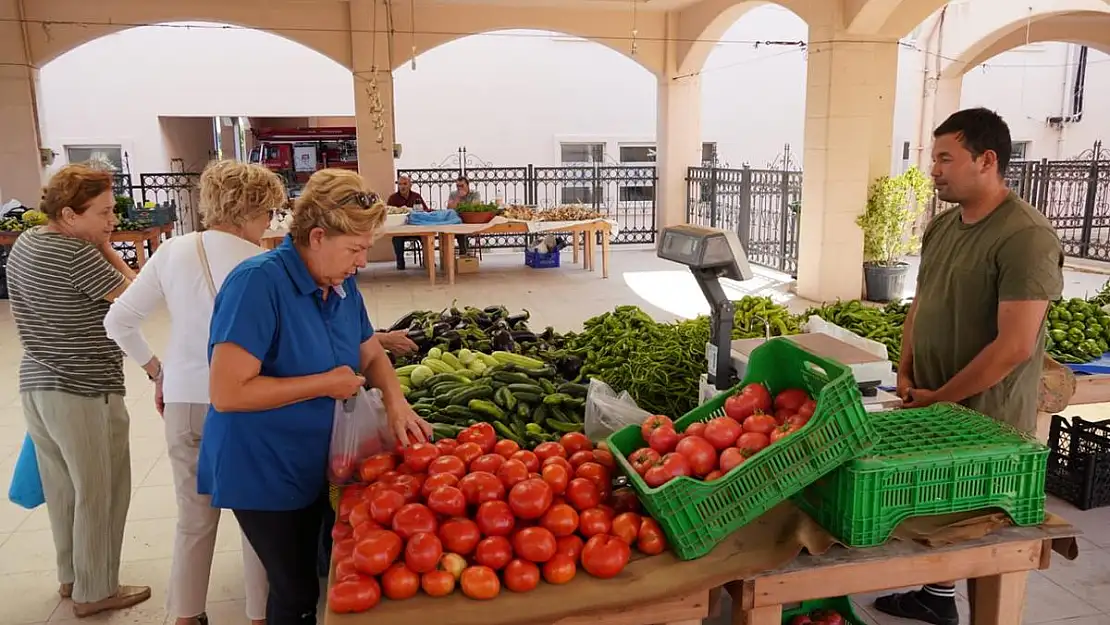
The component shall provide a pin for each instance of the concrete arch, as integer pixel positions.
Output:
(1090, 28)
(887, 18)
(56, 27)
(702, 25)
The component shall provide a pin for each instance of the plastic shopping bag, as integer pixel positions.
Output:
(359, 430)
(26, 486)
(607, 412)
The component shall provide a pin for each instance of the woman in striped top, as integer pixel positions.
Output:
(62, 277)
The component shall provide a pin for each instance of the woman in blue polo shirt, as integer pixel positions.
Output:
(290, 335)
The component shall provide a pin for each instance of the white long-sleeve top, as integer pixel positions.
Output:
(174, 277)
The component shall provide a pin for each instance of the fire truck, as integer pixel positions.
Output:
(295, 153)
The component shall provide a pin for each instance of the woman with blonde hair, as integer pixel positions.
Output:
(289, 336)
(61, 280)
(184, 275)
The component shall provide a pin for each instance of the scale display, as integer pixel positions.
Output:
(705, 248)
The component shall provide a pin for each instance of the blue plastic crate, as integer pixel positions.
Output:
(541, 260)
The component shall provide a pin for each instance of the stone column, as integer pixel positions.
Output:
(848, 132)
(678, 145)
(20, 167)
(373, 84)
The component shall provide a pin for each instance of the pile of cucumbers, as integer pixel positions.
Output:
(521, 397)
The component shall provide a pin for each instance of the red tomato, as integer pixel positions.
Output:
(627, 527)
(489, 463)
(797, 421)
(494, 552)
(714, 475)
(593, 522)
(419, 455)
(399, 582)
(558, 460)
(480, 487)
(530, 459)
(625, 500)
(668, 468)
(651, 540)
(374, 554)
(753, 442)
(807, 409)
(480, 582)
(547, 450)
(696, 429)
(354, 596)
(530, 498)
(783, 431)
(364, 529)
(643, 459)
(535, 544)
(436, 481)
(447, 501)
(583, 494)
(732, 458)
(361, 513)
(342, 468)
(663, 439)
(495, 518)
(506, 448)
(482, 434)
(574, 442)
(512, 472)
(781, 416)
(423, 552)
(570, 546)
(752, 398)
(459, 535)
(560, 569)
(604, 457)
(605, 556)
(521, 576)
(408, 486)
(468, 452)
(556, 477)
(653, 423)
(389, 476)
(452, 465)
(374, 466)
(345, 570)
(827, 617)
(384, 505)
(561, 520)
(446, 446)
(699, 453)
(343, 549)
(413, 518)
(722, 432)
(579, 458)
(760, 423)
(341, 530)
(594, 472)
(437, 583)
(791, 399)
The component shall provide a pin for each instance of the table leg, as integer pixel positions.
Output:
(574, 243)
(589, 264)
(604, 253)
(140, 252)
(998, 599)
(765, 615)
(448, 245)
(428, 242)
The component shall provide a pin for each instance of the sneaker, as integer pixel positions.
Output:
(920, 605)
(125, 597)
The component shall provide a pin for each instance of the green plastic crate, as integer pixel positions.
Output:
(935, 460)
(843, 605)
(696, 515)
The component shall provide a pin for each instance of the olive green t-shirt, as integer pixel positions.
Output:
(966, 270)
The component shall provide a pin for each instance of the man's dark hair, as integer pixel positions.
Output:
(979, 130)
(463, 179)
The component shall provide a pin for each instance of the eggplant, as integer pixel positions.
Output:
(548, 333)
(417, 336)
(519, 317)
(490, 310)
(453, 338)
(484, 320)
(502, 340)
(441, 327)
(524, 337)
(404, 322)
(569, 366)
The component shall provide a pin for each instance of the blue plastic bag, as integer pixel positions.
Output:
(434, 218)
(26, 487)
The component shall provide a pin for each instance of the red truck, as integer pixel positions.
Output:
(295, 153)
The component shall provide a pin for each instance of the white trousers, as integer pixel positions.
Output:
(197, 521)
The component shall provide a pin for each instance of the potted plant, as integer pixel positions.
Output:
(894, 205)
(477, 212)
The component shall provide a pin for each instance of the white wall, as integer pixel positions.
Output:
(510, 97)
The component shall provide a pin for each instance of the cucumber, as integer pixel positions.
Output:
(539, 415)
(561, 426)
(505, 432)
(445, 388)
(510, 377)
(446, 377)
(457, 413)
(572, 389)
(484, 407)
(558, 414)
(463, 396)
(556, 399)
(526, 388)
(529, 398)
(548, 387)
(442, 430)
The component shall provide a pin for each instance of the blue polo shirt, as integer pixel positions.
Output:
(270, 306)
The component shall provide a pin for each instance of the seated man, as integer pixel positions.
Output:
(410, 199)
(462, 194)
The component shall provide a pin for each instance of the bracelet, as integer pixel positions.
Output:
(157, 377)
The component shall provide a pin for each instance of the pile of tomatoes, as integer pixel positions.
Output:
(481, 513)
(820, 617)
(708, 450)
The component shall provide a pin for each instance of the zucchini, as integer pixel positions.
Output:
(405, 370)
(451, 361)
(463, 396)
(516, 359)
(421, 374)
(483, 407)
(435, 353)
(561, 426)
(526, 388)
(572, 389)
(509, 377)
(437, 365)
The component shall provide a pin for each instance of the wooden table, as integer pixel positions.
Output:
(139, 238)
(1091, 389)
(996, 567)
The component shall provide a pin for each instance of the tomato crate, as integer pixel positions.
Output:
(935, 460)
(841, 605)
(697, 515)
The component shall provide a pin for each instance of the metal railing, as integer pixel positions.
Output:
(178, 189)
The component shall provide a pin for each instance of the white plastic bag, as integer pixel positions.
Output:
(607, 412)
(359, 430)
(817, 325)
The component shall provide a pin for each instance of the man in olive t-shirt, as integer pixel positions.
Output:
(975, 331)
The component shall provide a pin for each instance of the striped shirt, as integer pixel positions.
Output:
(57, 285)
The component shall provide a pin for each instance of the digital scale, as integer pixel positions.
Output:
(712, 254)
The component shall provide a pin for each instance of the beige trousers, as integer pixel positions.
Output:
(84, 457)
(197, 521)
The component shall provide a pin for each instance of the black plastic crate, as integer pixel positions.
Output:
(1079, 462)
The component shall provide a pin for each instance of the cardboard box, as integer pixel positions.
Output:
(466, 264)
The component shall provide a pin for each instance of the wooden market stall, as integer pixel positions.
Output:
(151, 237)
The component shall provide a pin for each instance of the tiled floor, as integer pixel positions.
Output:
(1071, 593)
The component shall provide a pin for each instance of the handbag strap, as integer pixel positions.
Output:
(204, 264)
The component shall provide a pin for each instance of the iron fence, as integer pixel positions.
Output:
(760, 205)
(179, 190)
(1073, 194)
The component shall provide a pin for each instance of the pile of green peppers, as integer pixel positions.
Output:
(1078, 331)
(878, 324)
